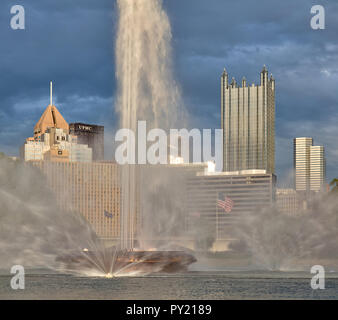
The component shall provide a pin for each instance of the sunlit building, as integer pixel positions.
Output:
(317, 168)
(52, 141)
(248, 123)
(309, 165)
(91, 189)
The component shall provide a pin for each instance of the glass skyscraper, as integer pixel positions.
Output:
(248, 123)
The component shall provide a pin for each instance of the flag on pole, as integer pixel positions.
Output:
(225, 202)
(108, 214)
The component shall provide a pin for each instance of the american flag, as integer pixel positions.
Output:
(227, 204)
(108, 214)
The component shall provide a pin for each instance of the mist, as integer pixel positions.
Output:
(33, 230)
(280, 241)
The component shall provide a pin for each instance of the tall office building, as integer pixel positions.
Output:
(301, 159)
(248, 123)
(91, 135)
(309, 165)
(317, 168)
(52, 141)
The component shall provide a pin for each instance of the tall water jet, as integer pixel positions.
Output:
(146, 88)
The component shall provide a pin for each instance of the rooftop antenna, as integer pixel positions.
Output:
(51, 93)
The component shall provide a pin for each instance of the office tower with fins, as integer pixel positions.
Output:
(248, 123)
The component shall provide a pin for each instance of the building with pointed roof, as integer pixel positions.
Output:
(52, 141)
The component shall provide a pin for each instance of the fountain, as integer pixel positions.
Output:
(146, 88)
(48, 237)
(35, 233)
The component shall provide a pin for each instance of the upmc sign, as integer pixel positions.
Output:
(85, 128)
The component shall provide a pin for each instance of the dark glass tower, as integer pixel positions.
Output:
(92, 135)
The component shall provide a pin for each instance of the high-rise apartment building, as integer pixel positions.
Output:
(248, 123)
(309, 165)
(91, 135)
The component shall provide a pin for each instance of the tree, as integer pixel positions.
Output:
(334, 185)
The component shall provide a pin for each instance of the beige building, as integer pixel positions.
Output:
(301, 159)
(317, 168)
(309, 165)
(248, 123)
(92, 189)
(52, 141)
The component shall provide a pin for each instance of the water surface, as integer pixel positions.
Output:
(42, 284)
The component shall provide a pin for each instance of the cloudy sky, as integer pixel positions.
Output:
(72, 43)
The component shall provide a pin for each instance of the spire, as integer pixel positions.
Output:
(51, 93)
(264, 76)
(225, 79)
(51, 118)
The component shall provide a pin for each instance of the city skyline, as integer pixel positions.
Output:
(305, 101)
(168, 150)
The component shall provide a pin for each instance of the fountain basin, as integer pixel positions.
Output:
(112, 262)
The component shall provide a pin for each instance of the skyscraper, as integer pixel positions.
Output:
(309, 165)
(317, 168)
(301, 160)
(92, 135)
(248, 123)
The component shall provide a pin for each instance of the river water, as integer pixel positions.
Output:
(42, 284)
